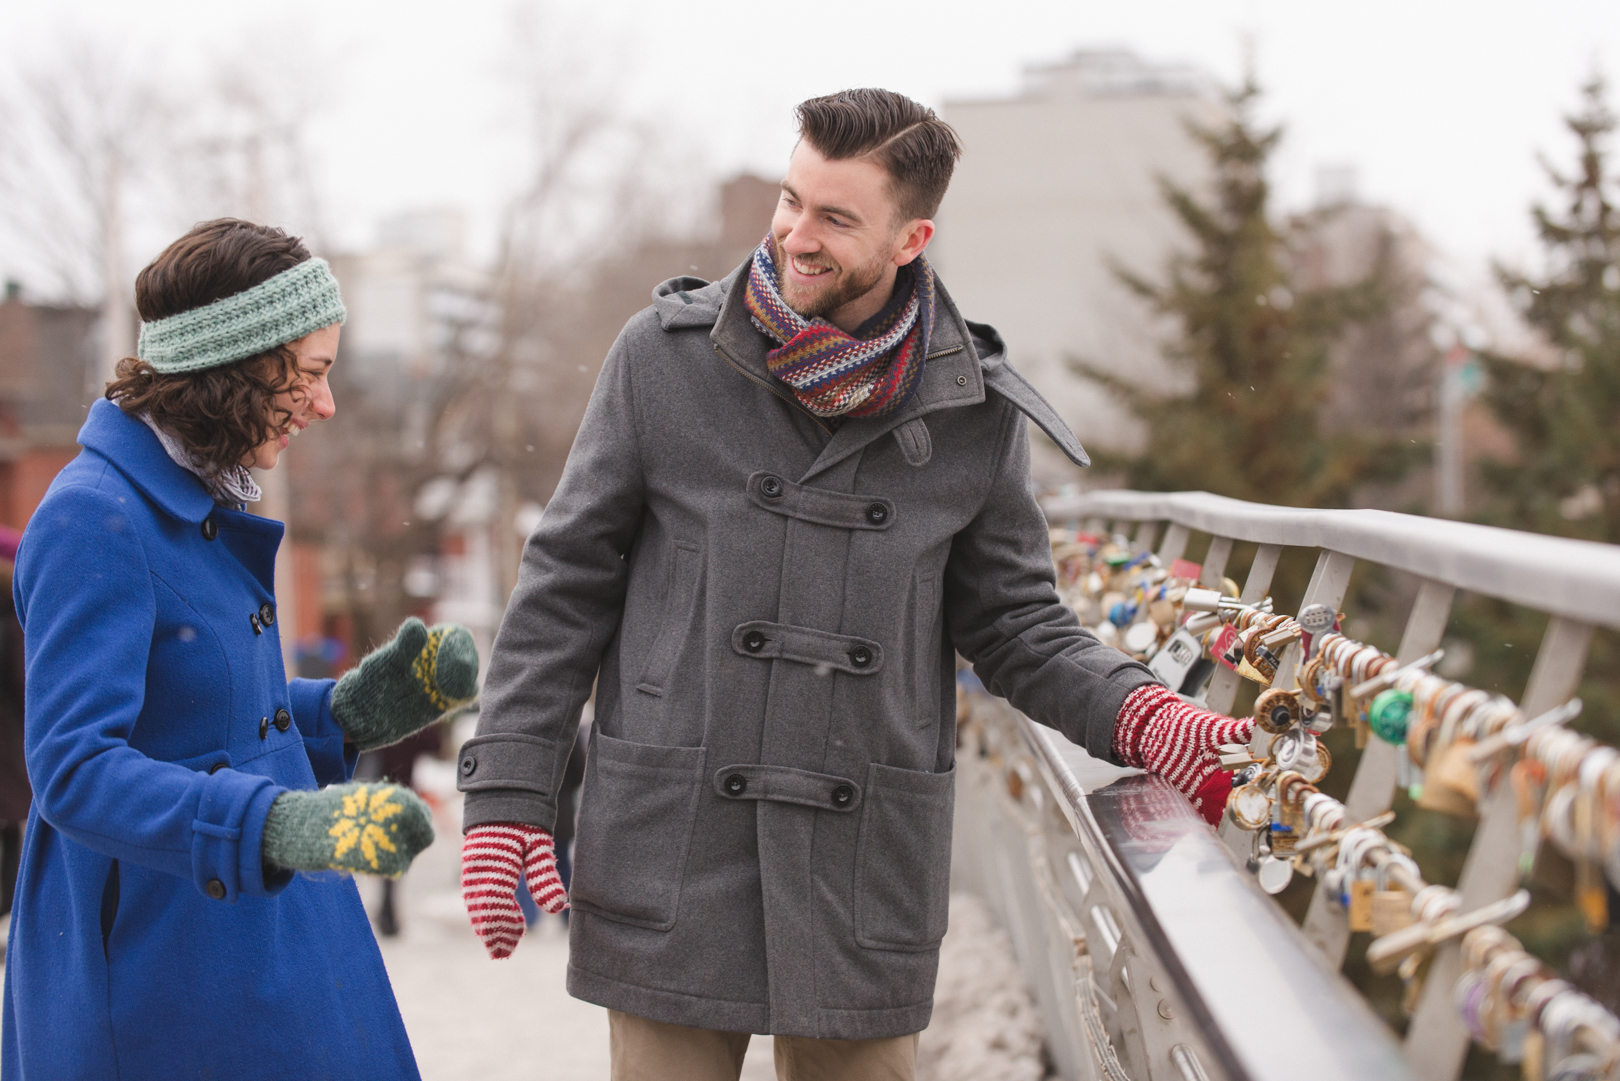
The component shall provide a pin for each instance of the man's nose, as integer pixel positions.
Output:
(801, 239)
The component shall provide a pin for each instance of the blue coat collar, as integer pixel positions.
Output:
(134, 451)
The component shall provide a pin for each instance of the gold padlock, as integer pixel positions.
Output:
(1361, 898)
(1293, 821)
(1391, 905)
(1451, 783)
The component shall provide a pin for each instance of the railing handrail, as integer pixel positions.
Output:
(1573, 578)
(1231, 953)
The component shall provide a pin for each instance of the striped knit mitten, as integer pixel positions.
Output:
(1162, 734)
(493, 856)
(406, 685)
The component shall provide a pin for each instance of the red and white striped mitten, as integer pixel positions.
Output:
(493, 856)
(1162, 734)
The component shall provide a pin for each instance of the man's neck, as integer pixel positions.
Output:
(851, 316)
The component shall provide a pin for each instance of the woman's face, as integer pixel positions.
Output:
(308, 400)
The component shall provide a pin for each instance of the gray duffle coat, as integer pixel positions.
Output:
(768, 610)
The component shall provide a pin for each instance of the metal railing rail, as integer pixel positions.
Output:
(1576, 582)
(1153, 954)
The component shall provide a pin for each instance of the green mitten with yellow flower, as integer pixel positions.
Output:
(368, 829)
(406, 685)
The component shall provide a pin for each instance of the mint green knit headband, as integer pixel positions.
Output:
(282, 309)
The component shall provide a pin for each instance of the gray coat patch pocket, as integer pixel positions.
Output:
(636, 814)
(903, 859)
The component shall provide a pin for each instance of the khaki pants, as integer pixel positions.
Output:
(646, 1050)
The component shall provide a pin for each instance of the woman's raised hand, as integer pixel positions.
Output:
(406, 685)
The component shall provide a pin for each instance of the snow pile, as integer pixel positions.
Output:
(985, 1025)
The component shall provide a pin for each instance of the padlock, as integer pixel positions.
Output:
(1388, 715)
(1259, 663)
(1360, 907)
(1391, 905)
(1287, 825)
(1249, 807)
(1276, 710)
(1451, 783)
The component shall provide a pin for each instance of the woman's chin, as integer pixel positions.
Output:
(266, 456)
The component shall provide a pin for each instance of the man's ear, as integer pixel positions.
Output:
(914, 237)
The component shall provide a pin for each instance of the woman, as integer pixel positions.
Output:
(159, 929)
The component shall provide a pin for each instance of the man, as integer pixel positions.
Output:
(795, 494)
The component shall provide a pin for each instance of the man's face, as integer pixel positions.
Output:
(835, 233)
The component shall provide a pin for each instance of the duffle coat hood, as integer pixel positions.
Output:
(768, 608)
(148, 940)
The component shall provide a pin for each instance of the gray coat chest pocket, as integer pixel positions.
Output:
(926, 643)
(680, 603)
(903, 859)
(636, 815)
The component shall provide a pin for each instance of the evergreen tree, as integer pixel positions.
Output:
(1252, 353)
(1565, 420)
(1564, 474)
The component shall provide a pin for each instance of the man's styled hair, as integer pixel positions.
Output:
(913, 145)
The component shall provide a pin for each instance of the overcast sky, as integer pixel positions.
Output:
(1441, 105)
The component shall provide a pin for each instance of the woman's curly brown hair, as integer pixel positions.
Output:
(220, 414)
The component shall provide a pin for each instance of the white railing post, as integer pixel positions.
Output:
(1214, 571)
(1437, 1039)
(1326, 924)
(1223, 687)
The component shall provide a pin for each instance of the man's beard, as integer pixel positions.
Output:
(846, 285)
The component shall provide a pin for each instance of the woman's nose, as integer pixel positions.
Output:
(321, 403)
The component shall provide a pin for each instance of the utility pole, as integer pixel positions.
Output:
(115, 313)
(276, 492)
(1448, 456)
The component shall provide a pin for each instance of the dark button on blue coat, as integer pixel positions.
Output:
(147, 937)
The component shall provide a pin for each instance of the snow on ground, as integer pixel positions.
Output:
(471, 1018)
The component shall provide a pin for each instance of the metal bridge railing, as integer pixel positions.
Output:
(1134, 922)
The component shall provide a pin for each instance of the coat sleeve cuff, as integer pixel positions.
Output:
(329, 756)
(227, 836)
(1099, 726)
(520, 808)
(508, 778)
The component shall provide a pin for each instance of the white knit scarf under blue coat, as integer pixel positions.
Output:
(231, 486)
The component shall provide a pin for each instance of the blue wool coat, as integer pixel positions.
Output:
(147, 939)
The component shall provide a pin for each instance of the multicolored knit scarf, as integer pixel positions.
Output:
(870, 373)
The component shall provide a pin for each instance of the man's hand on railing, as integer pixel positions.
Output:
(1162, 734)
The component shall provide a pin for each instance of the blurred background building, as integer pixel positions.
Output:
(1059, 185)
(48, 353)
